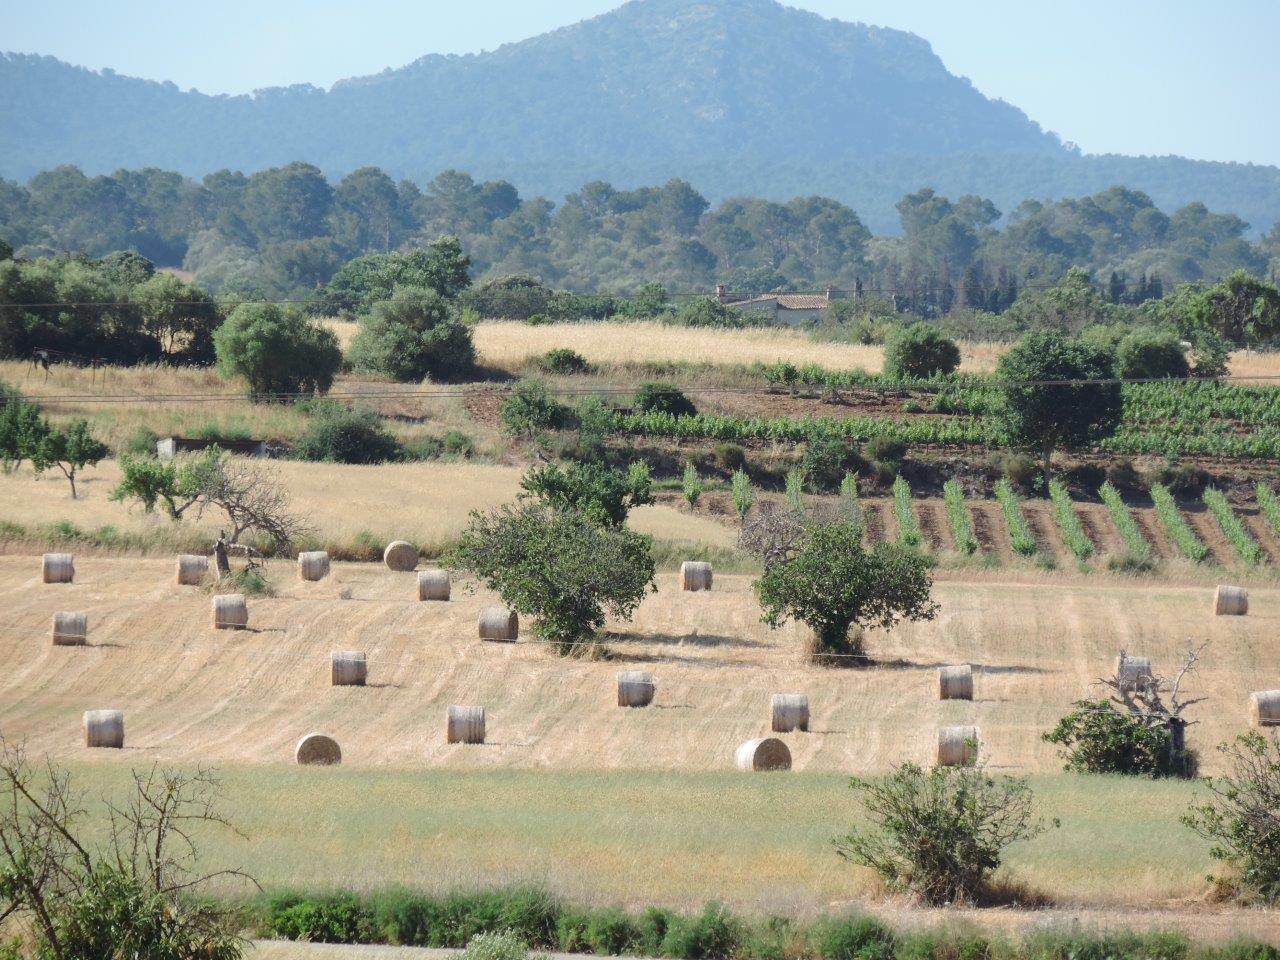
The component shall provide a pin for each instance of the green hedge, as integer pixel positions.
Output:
(544, 922)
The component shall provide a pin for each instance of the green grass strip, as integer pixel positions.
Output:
(908, 525)
(1232, 528)
(1069, 521)
(1135, 544)
(1183, 537)
(958, 515)
(1019, 533)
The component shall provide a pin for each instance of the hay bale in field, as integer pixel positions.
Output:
(349, 668)
(764, 753)
(499, 623)
(313, 565)
(191, 569)
(230, 612)
(635, 688)
(400, 555)
(695, 575)
(790, 712)
(57, 568)
(1132, 671)
(70, 629)
(317, 749)
(433, 584)
(1230, 601)
(957, 746)
(955, 683)
(464, 725)
(1264, 708)
(104, 728)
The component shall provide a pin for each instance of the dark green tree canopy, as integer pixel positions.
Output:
(277, 351)
(920, 351)
(413, 334)
(603, 494)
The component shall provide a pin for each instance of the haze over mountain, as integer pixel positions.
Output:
(738, 96)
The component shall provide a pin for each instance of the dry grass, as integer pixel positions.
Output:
(346, 504)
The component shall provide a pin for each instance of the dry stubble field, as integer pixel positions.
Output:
(600, 803)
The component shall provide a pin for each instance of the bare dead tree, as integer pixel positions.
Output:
(71, 895)
(1157, 702)
(253, 499)
(774, 532)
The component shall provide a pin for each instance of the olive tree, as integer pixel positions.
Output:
(829, 580)
(559, 566)
(1058, 391)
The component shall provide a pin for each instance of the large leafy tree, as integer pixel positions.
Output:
(441, 266)
(277, 351)
(70, 449)
(1058, 392)
(415, 333)
(604, 495)
(287, 203)
(180, 316)
(558, 566)
(830, 581)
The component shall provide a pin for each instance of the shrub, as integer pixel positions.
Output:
(563, 361)
(793, 490)
(338, 918)
(1098, 738)
(1123, 474)
(423, 448)
(1150, 354)
(415, 334)
(849, 505)
(691, 485)
(457, 444)
(729, 456)
(1241, 817)
(824, 461)
(832, 582)
(278, 352)
(908, 525)
(530, 408)
(558, 566)
(604, 495)
(610, 932)
(1069, 521)
(1018, 468)
(1241, 539)
(939, 834)
(343, 435)
(884, 449)
(854, 938)
(500, 945)
(743, 495)
(919, 351)
(662, 398)
(713, 935)
(653, 926)
(1137, 549)
(1176, 525)
(1182, 479)
(141, 444)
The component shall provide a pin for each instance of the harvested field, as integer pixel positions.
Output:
(233, 697)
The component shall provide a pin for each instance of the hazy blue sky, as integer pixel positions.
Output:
(1191, 77)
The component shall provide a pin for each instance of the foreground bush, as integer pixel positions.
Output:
(1098, 738)
(341, 435)
(939, 834)
(920, 351)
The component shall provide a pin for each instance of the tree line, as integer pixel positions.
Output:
(285, 231)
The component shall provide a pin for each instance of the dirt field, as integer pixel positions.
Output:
(195, 694)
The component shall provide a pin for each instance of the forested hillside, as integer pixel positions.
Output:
(740, 97)
(286, 231)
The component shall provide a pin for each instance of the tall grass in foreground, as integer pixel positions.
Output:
(1019, 533)
(1183, 537)
(958, 517)
(1137, 549)
(908, 526)
(1246, 547)
(1078, 541)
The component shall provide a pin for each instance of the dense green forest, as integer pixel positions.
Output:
(285, 233)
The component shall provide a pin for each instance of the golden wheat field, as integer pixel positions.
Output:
(192, 693)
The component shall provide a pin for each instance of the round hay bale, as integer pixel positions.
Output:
(955, 683)
(317, 749)
(433, 584)
(499, 623)
(695, 575)
(635, 688)
(464, 725)
(400, 555)
(957, 746)
(765, 753)
(57, 568)
(70, 629)
(1264, 708)
(1131, 671)
(790, 712)
(313, 565)
(191, 570)
(1230, 601)
(104, 728)
(230, 612)
(349, 668)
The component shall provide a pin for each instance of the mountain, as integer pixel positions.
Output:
(737, 95)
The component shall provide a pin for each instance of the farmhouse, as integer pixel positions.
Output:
(792, 308)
